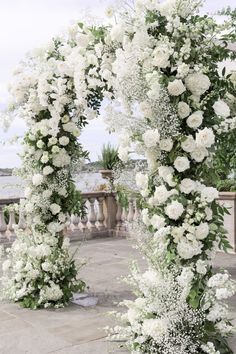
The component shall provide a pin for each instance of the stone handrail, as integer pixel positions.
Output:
(105, 217)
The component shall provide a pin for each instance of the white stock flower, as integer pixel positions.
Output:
(195, 120)
(64, 140)
(166, 144)
(183, 109)
(176, 87)
(174, 210)
(151, 137)
(205, 137)
(181, 163)
(37, 179)
(187, 186)
(157, 221)
(221, 109)
(201, 266)
(197, 83)
(202, 231)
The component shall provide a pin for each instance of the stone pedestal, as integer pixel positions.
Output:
(228, 199)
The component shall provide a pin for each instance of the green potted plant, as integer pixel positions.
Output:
(108, 159)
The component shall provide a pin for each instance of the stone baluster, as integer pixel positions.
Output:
(3, 225)
(12, 220)
(75, 219)
(130, 216)
(22, 221)
(123, 218)
(118, 217)
(92, 218)
(136, 211)
(100, 215)
(84, 222)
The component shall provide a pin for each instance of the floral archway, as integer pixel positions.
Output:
(158, 69)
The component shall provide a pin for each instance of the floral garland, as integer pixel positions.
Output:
(55, 92)
(170, 100)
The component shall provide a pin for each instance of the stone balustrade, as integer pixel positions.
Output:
(105, 217)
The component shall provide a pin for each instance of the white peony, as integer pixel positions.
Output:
(205, 137)
(176, 87)
(197, 83)
(221, 109)
(37, 179)
(64, 140)
(55, 208)
(151, 137)
(166, 144)
(199, 153)
(188, 144)
(187, 186)
(157, 221)
(174, 210)
(202, 231)
(195, 120)
(181, 163)
(183, 110)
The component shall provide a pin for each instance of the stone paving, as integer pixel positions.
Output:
(75, 329)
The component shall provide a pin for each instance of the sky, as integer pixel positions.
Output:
(26, 24)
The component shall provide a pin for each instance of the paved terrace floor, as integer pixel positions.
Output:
(75, 329)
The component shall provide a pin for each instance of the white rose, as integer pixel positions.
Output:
(65, 119)
(221, 109)
(161, 195)
(187, 185)
(161, 55)
(202, 231)
(52, 141)
(64, 140)
(55, 149)
(199, 153)
(37, 179)
(205, 137)
(55, 208)
(151, 138)
(208, 213)
(176, 87)
(47, 170)
(195, 120)
(188, 144)
(174, 210)
(69, 127)
(181, 163)
(141, 180)
(157, 221)
(197, 83)
(40, 144)
(209, 194)
(166, 144)
(183, 109)
(163, 171)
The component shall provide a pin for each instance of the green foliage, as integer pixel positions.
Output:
(109, 157)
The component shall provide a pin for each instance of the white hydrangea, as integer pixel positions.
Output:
(176, 87)
(61, 159)
(55, 208)
(187, 186)
(188, 249)
(202, 231)
(47, 170)
(157, 221)
(197, 83)
(174, 210)
(141, 180)
(37, 179)
(201, 266)
(151, 137)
